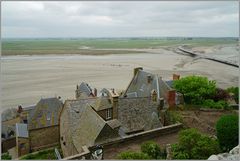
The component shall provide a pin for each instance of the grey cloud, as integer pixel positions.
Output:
(105, 19)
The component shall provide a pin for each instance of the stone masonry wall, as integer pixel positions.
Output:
(138, 114)
(23, 146)
(65, 135)
(44, 137)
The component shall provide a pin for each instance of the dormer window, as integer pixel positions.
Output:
(149, 78)
(109, 113)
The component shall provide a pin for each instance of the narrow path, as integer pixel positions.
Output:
(207, 57)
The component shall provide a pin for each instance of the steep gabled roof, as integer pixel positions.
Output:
(102, 103)
(85, 124)
(114, 123)
(85, 88)
(141, 87)
(46, 113)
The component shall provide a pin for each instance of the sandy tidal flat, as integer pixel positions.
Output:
(25, 79)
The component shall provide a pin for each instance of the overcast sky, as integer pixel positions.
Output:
(120, 19)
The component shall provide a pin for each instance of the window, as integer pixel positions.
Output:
(109, 114)
(3, 135)
(25, 121)
(49, 116)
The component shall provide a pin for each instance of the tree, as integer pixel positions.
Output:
(195, 89)
(194, 145)
(227, 132)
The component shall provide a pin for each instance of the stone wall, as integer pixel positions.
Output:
(44, 137)
(8, 144)
(23, 146)
(67, 146)
(136, 114)
(143, 136)
(131, 139)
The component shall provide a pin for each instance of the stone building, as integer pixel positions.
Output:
(138, 114)
(145, 84)
(43, 124)
(8, 137)
(81, 127)
(84, 91)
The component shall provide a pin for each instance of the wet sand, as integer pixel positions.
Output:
(25, 79)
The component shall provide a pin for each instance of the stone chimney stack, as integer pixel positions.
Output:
(115, 107)
(95, 92)
(176, 77)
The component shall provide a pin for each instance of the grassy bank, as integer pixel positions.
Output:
(105, 46)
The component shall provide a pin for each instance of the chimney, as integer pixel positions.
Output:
(176, 77)
(95, 92)
(171, 98)
(136, 70)
(19, 109)
(115, 107)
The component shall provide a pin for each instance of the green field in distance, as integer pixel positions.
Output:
(98, 46)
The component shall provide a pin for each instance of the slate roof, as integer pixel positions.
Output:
(169, 83)
(46, 113)
(85, 88)
(139, 86)
(29, 108)
(85, 124)
(114, 123)
(9, 114)
(102, 103)
(21, 130)
(5, 129)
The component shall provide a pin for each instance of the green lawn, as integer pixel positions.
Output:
(48, 154)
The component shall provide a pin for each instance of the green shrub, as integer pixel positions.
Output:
(6, 156)
(194, 145)
(227, 132)
(133, 156)
(173, 117)
(209, 103)
(235, 92)
(44, 154)
(195, 89)
(152, 149)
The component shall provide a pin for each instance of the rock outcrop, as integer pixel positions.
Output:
(232, 155)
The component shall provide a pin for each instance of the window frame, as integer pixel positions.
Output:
(109, 113)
